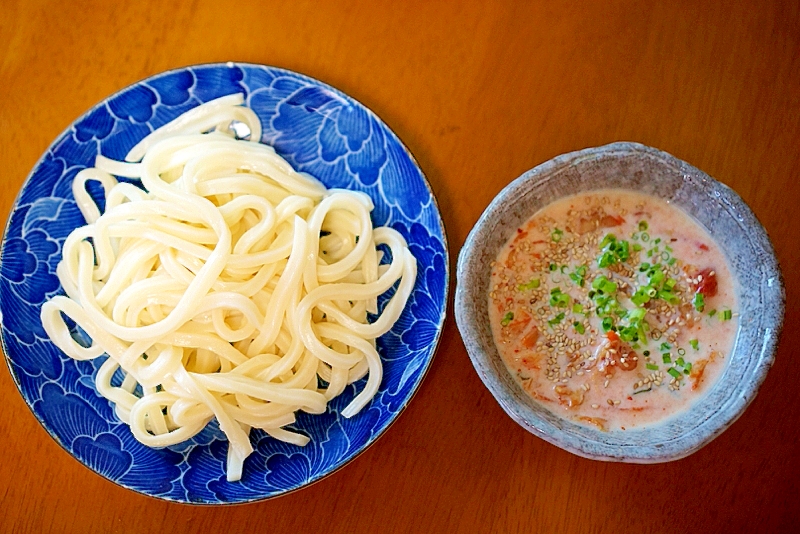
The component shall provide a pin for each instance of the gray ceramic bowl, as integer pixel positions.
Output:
(718, 208)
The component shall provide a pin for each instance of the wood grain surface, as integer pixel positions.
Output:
(480, 92)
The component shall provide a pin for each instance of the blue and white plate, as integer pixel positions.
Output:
(318, 130)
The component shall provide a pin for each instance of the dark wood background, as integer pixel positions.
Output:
(480, 92)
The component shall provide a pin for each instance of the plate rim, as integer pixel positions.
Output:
(434, 346)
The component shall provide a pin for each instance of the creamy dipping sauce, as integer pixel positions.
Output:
(613, 309)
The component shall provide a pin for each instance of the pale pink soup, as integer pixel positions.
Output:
(613, 309)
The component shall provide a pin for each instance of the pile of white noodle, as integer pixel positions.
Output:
(227, 287)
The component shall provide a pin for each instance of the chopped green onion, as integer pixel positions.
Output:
(726, 315)
(607, 324)
(666, 358)
(637, 247)
(507, 318)
(608, 239)
(623, 251)
(688, 366)
(682, 351)
(609, 287)
(699, 302)
(640, 298)
(606, 260)
(647, 353)
(636, 315)
(605, 291)
(656, 278)
(579, 276)
(579, 327)
(645, 237)
(712, 313)
(577, 308)
(680, 362)
(613, 251)
(668, 297)
(598, 282)
(672, 261)
(695, 345)
(533, 284)
(686, 371)
(605, 304)
(553, 267)
(557, 319)
(665, 346)
(558, 298)
(629, 333)
(642, 226)
(674, 372)
(556, 235)
(652, 366)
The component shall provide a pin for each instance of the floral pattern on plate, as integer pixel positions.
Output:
(319, 130)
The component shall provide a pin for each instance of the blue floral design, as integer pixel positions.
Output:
(319, 130)
(135, 104)
(97, 125)
(103, 454)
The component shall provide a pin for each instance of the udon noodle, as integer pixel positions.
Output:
(226, 287)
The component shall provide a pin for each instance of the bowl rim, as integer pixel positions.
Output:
(469, 264)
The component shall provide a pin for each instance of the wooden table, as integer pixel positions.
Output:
(480, 92)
